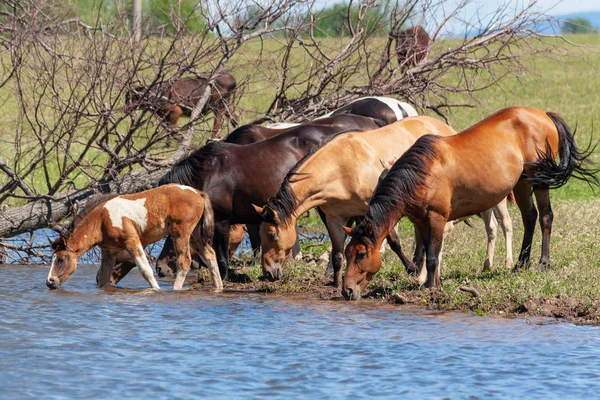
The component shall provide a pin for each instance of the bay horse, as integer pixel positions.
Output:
(171, 99)
(130, 222)
(340, 178)
(237, 176)
(412, 46)
(440, 179)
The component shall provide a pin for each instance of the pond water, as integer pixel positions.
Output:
(133, 343)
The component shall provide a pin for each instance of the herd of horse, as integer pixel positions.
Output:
(372, 162)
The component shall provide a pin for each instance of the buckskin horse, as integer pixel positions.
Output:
(236, 176)
(440, 179)
(130, 222)
(170, 100)
(340, 178)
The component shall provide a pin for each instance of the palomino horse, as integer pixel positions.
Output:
(412, 46)
(130, 222)
(237, 176)
(171, 99)
(445, 178)
(339, 178)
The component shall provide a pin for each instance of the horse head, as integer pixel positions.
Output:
(64, 263)
(277, 238)
(363, 260)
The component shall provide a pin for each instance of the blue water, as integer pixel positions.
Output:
(133, 343)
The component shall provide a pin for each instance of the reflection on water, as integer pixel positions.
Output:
(134, 343)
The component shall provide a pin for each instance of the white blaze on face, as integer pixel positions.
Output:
(135, 210)
(183, 187)
(51, 267)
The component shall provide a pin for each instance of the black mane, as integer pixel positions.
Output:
(398, 189)
(192, 168)
(285, 201)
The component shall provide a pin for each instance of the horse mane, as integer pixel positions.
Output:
(187, 170)
(399, 188)
(236, 135)
(89, 206)
(285, 201)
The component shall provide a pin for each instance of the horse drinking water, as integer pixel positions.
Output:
(130, 222)
(441, 179)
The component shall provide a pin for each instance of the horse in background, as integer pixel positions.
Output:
(171, 99)
(441, 179)
(131, 222)
(412, 46)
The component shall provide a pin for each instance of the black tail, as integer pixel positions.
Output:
(207, 222)
(573, 162)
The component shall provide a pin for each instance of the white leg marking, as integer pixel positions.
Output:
(507, 228)
(210, 258)
(146, 270)
(491, 229)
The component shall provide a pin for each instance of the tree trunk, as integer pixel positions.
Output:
(43, 213)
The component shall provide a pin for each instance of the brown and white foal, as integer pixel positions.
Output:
(130, 222)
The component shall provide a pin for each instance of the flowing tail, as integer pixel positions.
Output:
(573, 162)
(206, 225)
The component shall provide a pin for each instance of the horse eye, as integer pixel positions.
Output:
(272, 236)
(360, 255)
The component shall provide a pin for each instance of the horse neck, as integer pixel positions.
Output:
(309, 189)
(384, 224)
(87, 234)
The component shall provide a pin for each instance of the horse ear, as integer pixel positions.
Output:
(347, 229)
(259, 210)
(59, 244)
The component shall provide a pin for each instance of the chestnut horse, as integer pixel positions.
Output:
(441, 179)
(340, 178)
(171, 99)
(412, 46)
(130, 222)
(236, 176)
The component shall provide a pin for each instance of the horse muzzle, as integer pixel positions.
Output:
(53, 283)
(351, 293)
(274, 273)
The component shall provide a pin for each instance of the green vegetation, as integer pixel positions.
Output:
(577, 25)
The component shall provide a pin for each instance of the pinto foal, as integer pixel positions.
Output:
(130, 222)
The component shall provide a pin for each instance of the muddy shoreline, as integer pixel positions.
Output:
(315, 285)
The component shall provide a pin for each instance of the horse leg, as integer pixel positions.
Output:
(221, 246)
(434, 241)
(254, 236)
(394, 243)
(419, 256)
(542, 198)
(173, 116)
(337, 236)
(134, 247)
(296, 253)
(218, 122)
(491, 229)
(208, 256)
(104, 275)
(184, 259)
(503, 218)
(522, 192)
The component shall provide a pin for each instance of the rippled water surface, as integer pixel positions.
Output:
(134, 343)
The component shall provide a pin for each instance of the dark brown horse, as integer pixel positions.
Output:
(412, 46)
(236, 176)
(171, 99)
(441, 179)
